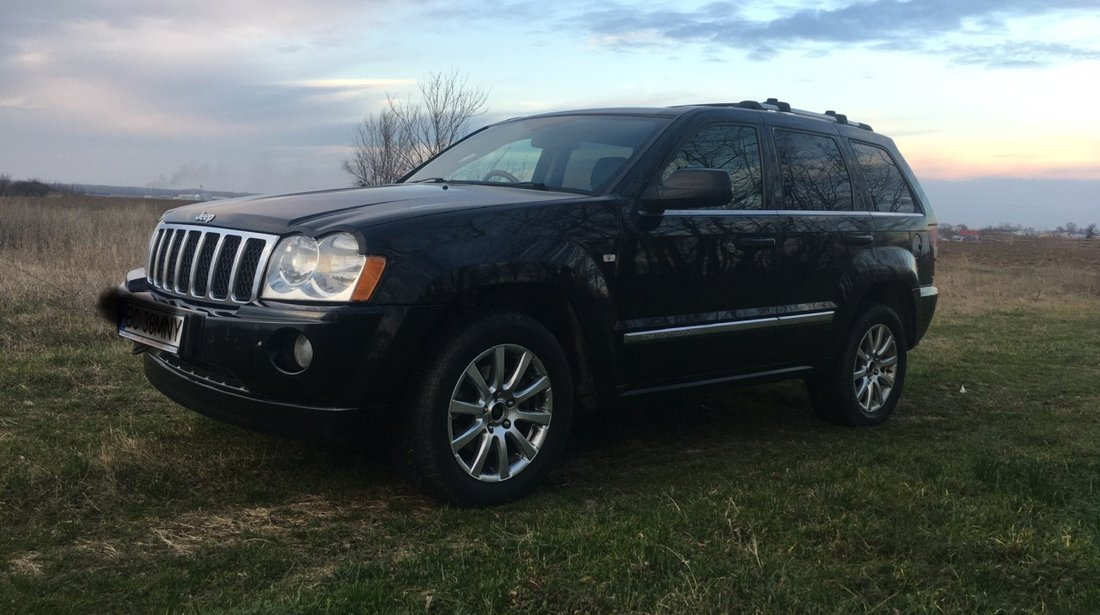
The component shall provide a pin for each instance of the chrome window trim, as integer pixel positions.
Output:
(809, 213)
(719, 212)
(896, 214)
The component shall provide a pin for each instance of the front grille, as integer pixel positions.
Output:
(212, 264)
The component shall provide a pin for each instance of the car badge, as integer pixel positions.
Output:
(204, 217)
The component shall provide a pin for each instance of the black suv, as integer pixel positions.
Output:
(542, 262)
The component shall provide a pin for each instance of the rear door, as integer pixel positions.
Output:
(824, 235)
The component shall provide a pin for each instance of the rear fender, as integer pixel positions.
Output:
(887, 274)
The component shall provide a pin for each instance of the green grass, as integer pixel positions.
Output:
(115, 500)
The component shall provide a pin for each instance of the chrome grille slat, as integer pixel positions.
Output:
(169, 264)
(217, 265)
(244, 269)
(161, 252)
(186, 261)
(258, 279)
(205, 263)
(214, 265)
(195, 264)
(233, 271)
(154, 250)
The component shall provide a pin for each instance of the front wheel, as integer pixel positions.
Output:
(490, 414)
(864, 386)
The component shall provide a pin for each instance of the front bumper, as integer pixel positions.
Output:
(227, 365)
(252, 412)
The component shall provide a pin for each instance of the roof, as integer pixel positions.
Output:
(771, 105)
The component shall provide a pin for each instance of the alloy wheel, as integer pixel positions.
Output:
(875, 369)
(500, 413)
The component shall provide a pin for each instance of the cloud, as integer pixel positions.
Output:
(214, 76)
(928, 26)
(1019, 54)
(159, 67)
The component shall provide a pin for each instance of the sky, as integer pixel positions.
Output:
(991, 101)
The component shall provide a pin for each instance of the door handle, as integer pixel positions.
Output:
(859, 240)
(756, 243)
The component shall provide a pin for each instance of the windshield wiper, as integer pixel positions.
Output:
(430, 180)
(531, 185)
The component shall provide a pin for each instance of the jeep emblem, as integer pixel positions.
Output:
(204, 217)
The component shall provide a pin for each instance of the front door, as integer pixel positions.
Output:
(697, 284)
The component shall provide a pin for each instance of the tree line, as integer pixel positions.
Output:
(29, 187)
(1069, 228)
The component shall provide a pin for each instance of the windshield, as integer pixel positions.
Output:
(576, 153)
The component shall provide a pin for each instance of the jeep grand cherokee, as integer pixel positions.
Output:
(573, 257)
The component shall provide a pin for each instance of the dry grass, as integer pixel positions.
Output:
(73, 244)
(979, 277)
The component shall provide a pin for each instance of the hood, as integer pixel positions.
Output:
(348, 209)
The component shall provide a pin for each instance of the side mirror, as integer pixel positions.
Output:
(689, 188)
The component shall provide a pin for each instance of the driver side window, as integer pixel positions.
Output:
(734, 149)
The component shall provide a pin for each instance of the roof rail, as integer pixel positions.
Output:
(782, 106)
(774, 104)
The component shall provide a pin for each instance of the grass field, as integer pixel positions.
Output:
(114, 500)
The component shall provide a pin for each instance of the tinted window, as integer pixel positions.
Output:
(592, 165)
(813, 172)
(885, 183)
(580, 153)
(734, 149)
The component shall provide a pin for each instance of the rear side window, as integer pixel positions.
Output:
(734, 149)
(885, 183)
(813, 172)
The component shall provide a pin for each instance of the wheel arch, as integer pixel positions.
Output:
(898, 297)
(886, 275)
(575, 328)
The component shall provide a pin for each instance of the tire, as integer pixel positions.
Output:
(474, 434)
(863, 387)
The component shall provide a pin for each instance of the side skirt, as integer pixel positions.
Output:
(752, 378)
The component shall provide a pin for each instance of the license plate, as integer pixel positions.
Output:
(151, 326)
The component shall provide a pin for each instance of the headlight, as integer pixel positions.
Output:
(295, 260)
(330, 269)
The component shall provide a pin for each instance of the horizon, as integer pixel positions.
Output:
(263, 97)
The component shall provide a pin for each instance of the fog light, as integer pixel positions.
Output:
(303, 351)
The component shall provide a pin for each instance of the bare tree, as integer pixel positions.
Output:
(382, 150)
(403, 135)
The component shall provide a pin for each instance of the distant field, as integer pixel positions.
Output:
(115, 500)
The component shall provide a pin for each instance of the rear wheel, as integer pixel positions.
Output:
(863, 387)
(490, 414)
